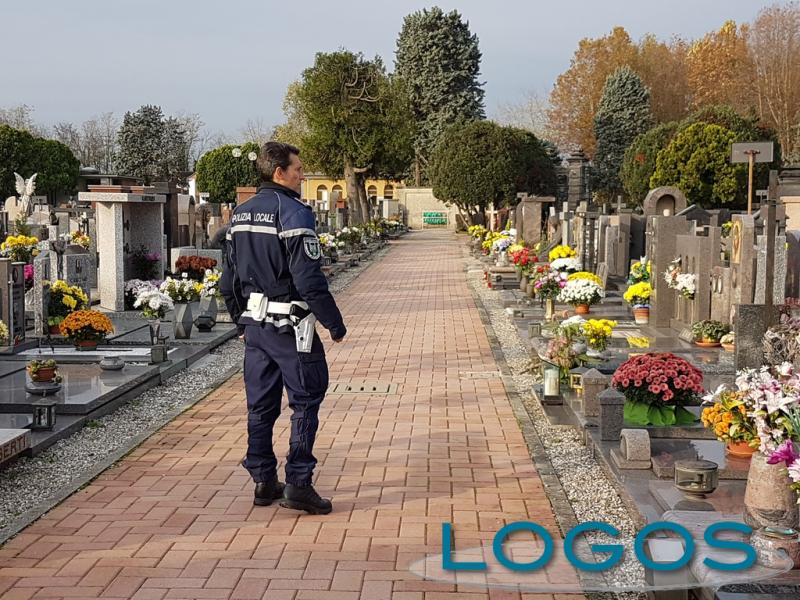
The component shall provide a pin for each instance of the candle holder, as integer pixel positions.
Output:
(696, 478)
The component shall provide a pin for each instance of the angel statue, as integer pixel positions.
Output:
(25, 189)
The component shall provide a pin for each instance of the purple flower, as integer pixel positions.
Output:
(785, 453)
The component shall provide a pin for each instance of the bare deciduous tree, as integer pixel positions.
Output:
(529, 114)
(774, 40)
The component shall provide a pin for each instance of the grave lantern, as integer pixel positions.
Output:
(44, 414)
(576, 379)
(205, 322)
(551, 375)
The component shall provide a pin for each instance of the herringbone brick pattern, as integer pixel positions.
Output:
(175, 518)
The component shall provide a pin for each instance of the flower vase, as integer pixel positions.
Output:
(641, 315)
(523, 283)
(768, 499)
(581, 309)
(549, 309)
(155, 331)
(183, 320)
(208, 306)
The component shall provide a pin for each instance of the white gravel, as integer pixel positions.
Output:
(33, 484)
(590, 493)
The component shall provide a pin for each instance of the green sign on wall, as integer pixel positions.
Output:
(434, 218)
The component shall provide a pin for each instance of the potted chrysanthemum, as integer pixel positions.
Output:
(86, 328)
(154, 305)
(581, 293)
(657, 387)
(181, 292)
(638, 296)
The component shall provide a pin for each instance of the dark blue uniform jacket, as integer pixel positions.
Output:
(273, 248)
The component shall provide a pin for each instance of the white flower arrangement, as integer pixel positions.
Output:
(581, 291)
(685, 283)
(210, 287)
(180, 290)
(501, 244)
(566, 264)
(154, 304)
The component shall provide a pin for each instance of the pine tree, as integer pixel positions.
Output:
(623, 114)
(152, 146)
(439, 61)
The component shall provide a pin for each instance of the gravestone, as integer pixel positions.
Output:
(611, 253)
(42, 276)
(721, 294)
(699, 254)
(778, 266)
(76, 267)
(5, 292)
(752, 322)
(602, 273)
(793, 264)
(742, 241)
(531, 215)
(578, 188)
(662, 249)
(17, 301)
(666, 201)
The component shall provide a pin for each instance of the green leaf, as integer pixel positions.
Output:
(683, 416)
(636, 413)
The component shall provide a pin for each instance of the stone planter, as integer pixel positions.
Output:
(182, 321)
(768, 500)
(641, 315)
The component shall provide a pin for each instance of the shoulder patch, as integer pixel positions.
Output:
(311, 247)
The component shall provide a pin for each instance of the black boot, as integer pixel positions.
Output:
(265, 493)
(305, 498)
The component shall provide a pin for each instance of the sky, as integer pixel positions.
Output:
(231, 60)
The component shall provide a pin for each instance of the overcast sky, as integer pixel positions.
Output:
(231, 60)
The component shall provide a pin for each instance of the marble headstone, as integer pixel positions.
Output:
(42, 272)
(18, 300)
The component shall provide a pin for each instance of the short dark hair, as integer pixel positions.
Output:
(272, 156)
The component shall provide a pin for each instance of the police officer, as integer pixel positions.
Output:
(274, 290)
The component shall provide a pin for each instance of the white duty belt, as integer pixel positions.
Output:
(259, 307)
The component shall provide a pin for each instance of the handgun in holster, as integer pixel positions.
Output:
(303, 321)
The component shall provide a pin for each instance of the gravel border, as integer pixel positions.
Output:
(578, 488)
(31, 486)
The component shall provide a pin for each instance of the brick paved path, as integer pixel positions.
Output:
(175, 518)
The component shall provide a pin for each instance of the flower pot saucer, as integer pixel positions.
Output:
(707, 344)
(42, 388)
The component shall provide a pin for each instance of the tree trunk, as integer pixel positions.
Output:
(417, 174)
(366, 205)
(352, 181)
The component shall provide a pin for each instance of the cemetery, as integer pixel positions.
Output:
(88, 319)
(655, 335)
(558, 356)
